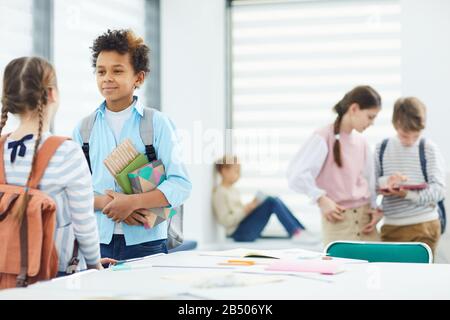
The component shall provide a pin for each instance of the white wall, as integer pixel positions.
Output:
(426, 63)
(426, 74)
(193, 94)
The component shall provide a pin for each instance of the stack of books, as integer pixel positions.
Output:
(135, 174)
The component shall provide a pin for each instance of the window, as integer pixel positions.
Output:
(16, 35)
(76, 25)
(63, 31)
(291, 62)
(17, 19)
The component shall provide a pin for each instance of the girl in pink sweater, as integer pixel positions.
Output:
(335, 169)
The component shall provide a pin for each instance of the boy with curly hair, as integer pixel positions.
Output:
(121, 63)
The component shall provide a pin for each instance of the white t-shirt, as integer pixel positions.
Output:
(115, 121)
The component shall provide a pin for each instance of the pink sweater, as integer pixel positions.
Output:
(347, 186)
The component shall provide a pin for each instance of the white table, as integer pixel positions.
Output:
(145, 281)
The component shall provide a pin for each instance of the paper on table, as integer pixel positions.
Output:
(347, 260)
(318, 266)
(222, 279)
(310, 276)
(189, 266)
(291, 253)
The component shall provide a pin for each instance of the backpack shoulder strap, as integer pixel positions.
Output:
(175, 223)
(423, 165)
(44, 155)
(381, 155)
(423, 159)
(86, 126)
(2, 163)
(85, 131)
(146, 132)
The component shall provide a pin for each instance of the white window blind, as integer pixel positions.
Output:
(292, 61)
(76, 25)
(17, 30)
(16, 35)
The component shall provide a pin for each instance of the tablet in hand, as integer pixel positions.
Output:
(419, 186)
(412, 187)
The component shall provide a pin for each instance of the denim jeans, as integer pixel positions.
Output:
(251, 227)
(117, 249)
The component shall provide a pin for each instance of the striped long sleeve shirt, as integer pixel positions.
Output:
(417, 206)
(68, 182)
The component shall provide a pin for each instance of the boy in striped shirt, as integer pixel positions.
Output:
(410, 215)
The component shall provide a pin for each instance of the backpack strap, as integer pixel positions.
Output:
(2, 163)
(146, 132)
(85, 131)
(74, 261)
(423, 165)
(423, 159)
(44, 155)
(22, 277)
(175, 223)
(381, 155)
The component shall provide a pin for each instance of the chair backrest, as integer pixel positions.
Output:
(407, 252)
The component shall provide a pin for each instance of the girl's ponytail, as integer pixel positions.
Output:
(26, 197)
(337, 128)
(366, 97)
(4, 118)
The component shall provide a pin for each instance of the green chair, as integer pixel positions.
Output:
(412, 252)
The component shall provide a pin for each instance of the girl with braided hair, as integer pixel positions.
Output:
(30, 93)
(335, 169)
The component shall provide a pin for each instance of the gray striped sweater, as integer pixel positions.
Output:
(417, 206)
(68, 181)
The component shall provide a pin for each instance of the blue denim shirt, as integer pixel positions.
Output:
(176, 187)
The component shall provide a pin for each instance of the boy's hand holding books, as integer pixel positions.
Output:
(135, 175)
(101, 201)
(134, 219)
(120, 207)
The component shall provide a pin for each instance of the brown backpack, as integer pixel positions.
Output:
(27, 249)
